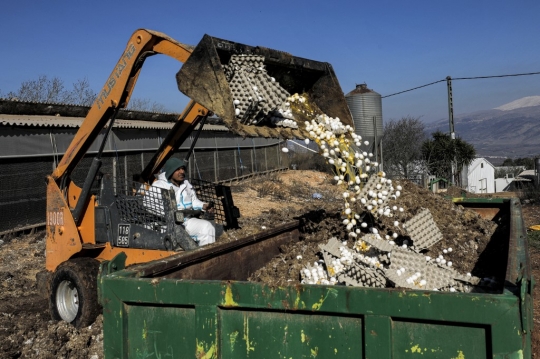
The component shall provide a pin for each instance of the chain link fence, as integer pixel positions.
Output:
(23, 180)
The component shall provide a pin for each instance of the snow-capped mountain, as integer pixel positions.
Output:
(510, 130)
(528, 101)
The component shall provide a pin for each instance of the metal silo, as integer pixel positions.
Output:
(366, 109)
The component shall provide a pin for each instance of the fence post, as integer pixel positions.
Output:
(190, 165)
(235, 164)
(265, 160)
(252, 161)
(125, 171)
(114, 164)
(216, 166)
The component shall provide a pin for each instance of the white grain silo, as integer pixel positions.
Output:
(366, 109)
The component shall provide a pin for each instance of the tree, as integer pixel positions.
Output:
(441, 151)
(508, 162)
(53, 91)
(41, 90)
(528, 163)
(145, 104)
(402, 146)
(82, 94)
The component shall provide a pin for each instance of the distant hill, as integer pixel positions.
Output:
(510, 130)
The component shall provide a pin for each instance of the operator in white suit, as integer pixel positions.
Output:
(173, 177)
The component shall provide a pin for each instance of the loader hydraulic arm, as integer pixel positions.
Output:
(117, 91)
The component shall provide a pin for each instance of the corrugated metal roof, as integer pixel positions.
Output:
(75, 122)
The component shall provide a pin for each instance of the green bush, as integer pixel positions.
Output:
(530, 194)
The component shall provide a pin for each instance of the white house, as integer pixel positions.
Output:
(479, 176)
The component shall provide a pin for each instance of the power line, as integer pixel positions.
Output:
(415, 88)
(489, 77)
(463, 78)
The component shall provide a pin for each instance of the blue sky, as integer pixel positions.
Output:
(389, 45)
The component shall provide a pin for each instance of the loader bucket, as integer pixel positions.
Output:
(248, 98)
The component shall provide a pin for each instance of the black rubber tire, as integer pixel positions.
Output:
(80, 274)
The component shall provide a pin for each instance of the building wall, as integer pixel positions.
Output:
(28, 156)
(480, 176)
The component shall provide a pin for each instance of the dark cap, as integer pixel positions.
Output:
(172, 165)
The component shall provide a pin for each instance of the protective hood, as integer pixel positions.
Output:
(172, 165)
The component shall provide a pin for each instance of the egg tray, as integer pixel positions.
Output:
(330, 251)
(423, 230)
(245, 73)
(380, 244)
(412, 262)
(330, 271)
(359, 275)
(371, 185)
(332, 247)
(384, 259)
(458, 276)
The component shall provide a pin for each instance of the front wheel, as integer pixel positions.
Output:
(73, 292)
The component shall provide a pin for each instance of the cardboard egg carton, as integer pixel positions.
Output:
(458, 276)
(332, 247)
(250, 84)
(381, 244)
(371, 185)
(412, 262)
(423, 230)
(359, 275)
(331, 271)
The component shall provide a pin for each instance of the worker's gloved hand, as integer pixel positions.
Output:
(209, 207)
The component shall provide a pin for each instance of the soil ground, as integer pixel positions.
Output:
(26, 330)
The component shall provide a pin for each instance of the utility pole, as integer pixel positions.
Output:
(451, 120)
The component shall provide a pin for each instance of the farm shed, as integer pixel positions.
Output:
(479, 176)
(32, 145)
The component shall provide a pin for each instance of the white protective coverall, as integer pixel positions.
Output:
(202, 231)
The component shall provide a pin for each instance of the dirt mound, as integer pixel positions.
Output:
(477, 244)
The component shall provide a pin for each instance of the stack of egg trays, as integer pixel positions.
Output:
(330, 251)
(371, 185)
(423, 230)
(358, 274)
(249, 73)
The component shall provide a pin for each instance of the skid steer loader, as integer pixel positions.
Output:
(245, 86)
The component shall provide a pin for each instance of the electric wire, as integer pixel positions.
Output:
(464, 78)
(493, 76)
(415, 88)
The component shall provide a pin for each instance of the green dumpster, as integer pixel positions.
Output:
(199, 305)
